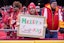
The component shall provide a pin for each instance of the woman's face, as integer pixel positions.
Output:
(32, 10)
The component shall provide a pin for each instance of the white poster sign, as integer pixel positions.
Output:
(31, 26)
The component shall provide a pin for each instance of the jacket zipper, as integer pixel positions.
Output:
(52, 21)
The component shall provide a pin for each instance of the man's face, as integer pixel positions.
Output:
(32, 11)
(54, 5)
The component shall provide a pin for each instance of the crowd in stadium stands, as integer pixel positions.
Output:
(54, 14)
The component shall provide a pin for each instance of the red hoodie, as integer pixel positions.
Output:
(32, 5)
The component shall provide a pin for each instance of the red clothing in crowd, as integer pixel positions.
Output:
(1, 24)
(52, 20)
(2, 33)
(14, 17)
(5, 17)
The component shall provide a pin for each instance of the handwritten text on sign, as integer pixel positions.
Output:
(31, 26)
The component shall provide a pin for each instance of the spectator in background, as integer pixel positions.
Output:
(24, 10)
(61, 23)
(5, 17)
(38, 9)
(52, 12)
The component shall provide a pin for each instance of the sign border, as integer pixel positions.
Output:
(34, 36)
